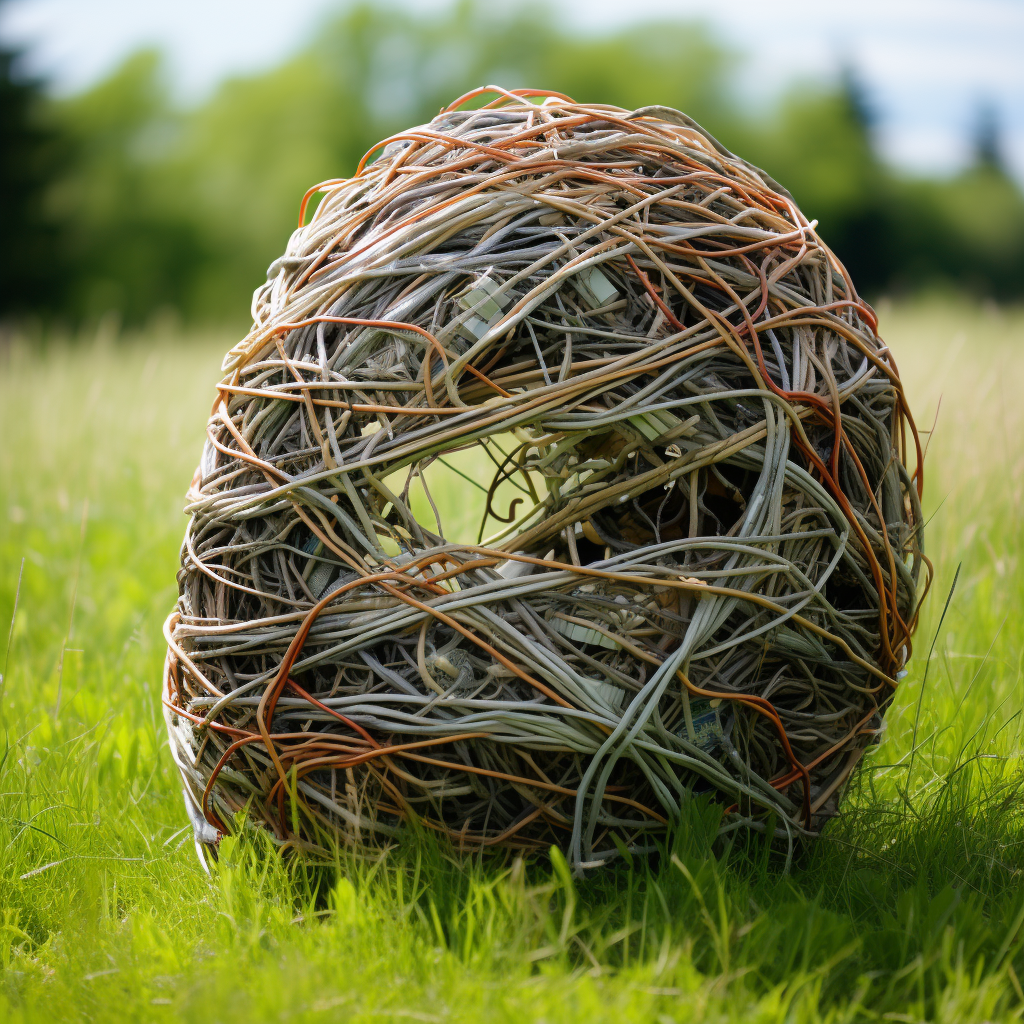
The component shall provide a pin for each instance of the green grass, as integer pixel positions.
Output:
(911, 906)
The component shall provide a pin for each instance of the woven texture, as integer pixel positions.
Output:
(706, 581)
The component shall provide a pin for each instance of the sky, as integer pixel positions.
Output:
(928, 66)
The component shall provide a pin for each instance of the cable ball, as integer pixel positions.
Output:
(562, 479)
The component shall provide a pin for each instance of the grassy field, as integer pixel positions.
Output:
(910, 908)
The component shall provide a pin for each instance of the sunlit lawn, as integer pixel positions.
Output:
(910, 908)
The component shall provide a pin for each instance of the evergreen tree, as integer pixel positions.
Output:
(29, 161)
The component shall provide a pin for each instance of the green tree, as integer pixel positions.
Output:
(156, 206)
(30, 157)
(818, 144)
(133, 241)
(246, 157)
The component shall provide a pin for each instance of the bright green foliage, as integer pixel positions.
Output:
(188, 208)
(909, 908)
(130, 243)
(247, 157)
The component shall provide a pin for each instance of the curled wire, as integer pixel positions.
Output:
(705, 581)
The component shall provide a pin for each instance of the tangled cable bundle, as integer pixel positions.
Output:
(707, 581)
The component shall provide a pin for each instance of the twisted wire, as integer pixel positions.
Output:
(707, 580)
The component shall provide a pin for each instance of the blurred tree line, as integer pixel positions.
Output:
(117, 200)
